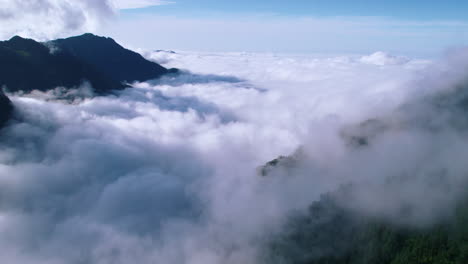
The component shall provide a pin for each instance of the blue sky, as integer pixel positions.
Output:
(405, 9)
(412, 27)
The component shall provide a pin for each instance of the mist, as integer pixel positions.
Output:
(168, 171)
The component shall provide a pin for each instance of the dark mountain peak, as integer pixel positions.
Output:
(23, 44)
(17, 38)
(89, 37)
(112, 59)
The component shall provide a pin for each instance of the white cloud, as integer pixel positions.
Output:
(46, 19)
(166, 171)
(382, 58)
(134, 4)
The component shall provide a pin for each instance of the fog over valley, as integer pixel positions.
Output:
(168, 170)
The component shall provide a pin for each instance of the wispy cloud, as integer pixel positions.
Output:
(135, 4)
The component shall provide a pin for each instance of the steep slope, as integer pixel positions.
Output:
(6, 109)
(332, 234)
(27, 65)
(110, 58)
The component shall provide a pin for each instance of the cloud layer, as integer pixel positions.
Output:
(167, 171)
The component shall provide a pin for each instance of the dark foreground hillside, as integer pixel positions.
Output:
(331, 234)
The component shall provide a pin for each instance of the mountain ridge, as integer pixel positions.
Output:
(112, 60)
(27, 65)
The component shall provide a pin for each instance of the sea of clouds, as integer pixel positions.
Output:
(167, 171)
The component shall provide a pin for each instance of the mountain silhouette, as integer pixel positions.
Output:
(116, 62)
(27, 65)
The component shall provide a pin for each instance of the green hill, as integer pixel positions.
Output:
(332, 234)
